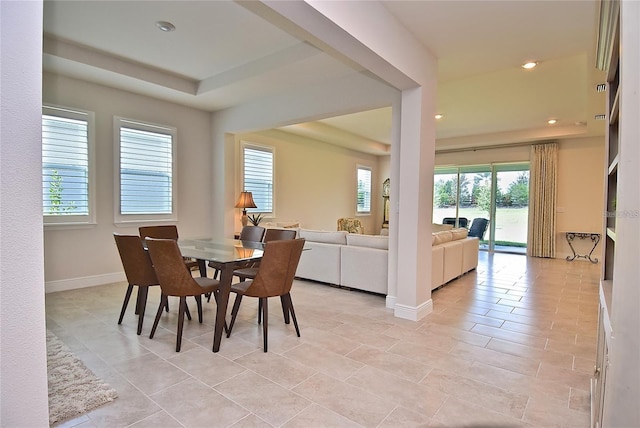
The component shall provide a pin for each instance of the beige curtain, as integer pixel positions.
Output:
(542, 200)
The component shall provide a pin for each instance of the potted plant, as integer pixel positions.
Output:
(255, 219)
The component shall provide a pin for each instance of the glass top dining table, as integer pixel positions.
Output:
(225, 255)
(221, 250)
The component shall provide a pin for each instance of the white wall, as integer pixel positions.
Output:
(580, 206)
(87, 256)
(580, 186)
(23, 372)
(316, 182)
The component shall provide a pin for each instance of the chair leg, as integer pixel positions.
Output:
(143, 292)
(259, 311)
(285, 309)
(293, 312)
(161, 306)
(127, 296)
(137, 311)
(199, 304)
(234, 312)
(186, 310)
(265, 316)
(181, 311)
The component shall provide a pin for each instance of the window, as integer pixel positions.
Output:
(364, 190)
(67, 166)
(146, 171)
(257, 170)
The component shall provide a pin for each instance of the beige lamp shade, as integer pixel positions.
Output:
(245, 201)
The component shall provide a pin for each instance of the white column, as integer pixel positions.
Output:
(416, 162)
(23, 372)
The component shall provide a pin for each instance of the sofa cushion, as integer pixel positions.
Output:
(371, 241)
(459, 233)
(435, 227)
(339, 237)
(280, 224)
(442, 237)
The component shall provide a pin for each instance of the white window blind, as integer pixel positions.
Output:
(258, 176)
(66, 165)
(146, 168)
(364, 190)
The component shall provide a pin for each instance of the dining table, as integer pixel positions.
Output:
(225, 255)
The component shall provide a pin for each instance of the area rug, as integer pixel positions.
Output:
(73, 388)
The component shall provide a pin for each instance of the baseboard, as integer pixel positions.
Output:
(390, 301)
(82, 282)
(413, 313)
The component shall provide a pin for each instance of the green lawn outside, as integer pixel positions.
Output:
(511, 223)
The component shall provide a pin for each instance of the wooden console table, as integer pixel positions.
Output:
(595, 238)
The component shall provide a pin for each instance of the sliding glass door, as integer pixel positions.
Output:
(510, 225)
(475, 195)
(445, 195)
(498, 193)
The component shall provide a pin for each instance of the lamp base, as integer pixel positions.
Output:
(244, 220)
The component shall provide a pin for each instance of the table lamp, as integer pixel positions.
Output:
(245, 201)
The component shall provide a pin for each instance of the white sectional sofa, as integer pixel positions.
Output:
(361, 261)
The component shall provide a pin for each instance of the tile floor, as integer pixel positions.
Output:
(511, 344)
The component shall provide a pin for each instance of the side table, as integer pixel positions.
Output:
(595, 238)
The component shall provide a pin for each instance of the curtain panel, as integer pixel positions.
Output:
(542, 200)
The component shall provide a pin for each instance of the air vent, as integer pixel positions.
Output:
(600, 116)
(601, 87)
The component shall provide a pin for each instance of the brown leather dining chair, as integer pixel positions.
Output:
(139, 271)
(175, 280)
(252, 233)
(250, 271)
(274, 278)
(270, 235)
(248, 233)
(169, 231)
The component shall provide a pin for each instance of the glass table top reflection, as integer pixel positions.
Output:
(221, 250)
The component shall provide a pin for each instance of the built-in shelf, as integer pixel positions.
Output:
(613, 116)
(611, 233)
(613, 166)
(606, 291)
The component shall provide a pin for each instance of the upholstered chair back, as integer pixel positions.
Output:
(277, 268)
(167, 260)
(135, 261)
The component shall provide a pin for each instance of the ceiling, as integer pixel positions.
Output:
(223, 54)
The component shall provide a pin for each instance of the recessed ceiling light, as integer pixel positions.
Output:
(439, 116)
(529, 65)
(165, 26)
(552, 121)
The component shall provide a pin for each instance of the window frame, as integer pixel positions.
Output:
(82, 220)
(370, 170)
(127, 219)
(265, 148)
